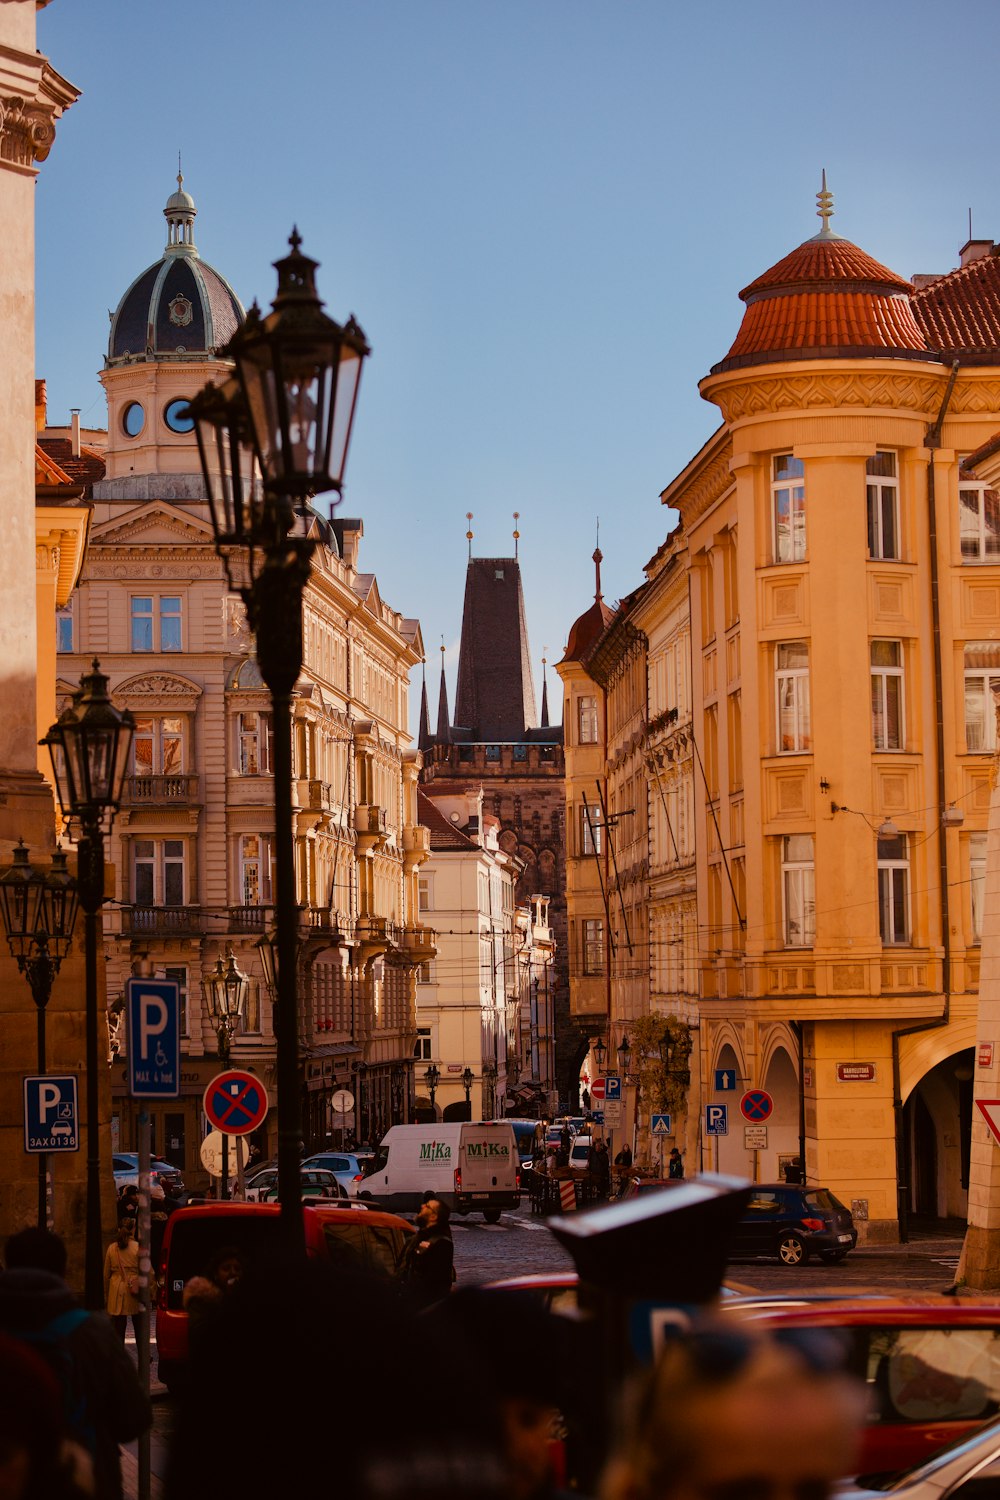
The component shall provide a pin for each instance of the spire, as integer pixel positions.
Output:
(517, 534)
(824, 211)
(468, 534)
(444, 728)
(545, 693)
(424, 732)
(180, 215)
(598, 559)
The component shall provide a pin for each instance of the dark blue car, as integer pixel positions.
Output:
(793, 1222)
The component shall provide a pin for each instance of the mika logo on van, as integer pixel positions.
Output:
(484, 1149)
(435, 1151)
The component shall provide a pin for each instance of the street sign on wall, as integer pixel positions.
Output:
(716, 1119)
(725, 1080)
(755, 1137)
(613, 1114)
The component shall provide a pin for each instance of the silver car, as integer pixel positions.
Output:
(968, 1469)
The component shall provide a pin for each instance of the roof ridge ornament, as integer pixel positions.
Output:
(824, 208)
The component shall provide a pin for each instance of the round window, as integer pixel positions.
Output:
(134, 419)
(178, 416)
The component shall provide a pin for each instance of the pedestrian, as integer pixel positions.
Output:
(428, 1268)
(793, 1170)
(36, 1460)
(600, 1166)
(121, 1281)
(103, 1402)
(675, 1169)
(729, 1412)
(224, 1270)
(128, 1202)
(624, 1157)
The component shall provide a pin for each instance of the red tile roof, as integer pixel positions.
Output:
(86, 469)
(960, 312)
(444, 834)
(826, 300)
(587, 629)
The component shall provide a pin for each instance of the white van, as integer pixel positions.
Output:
(469, 1164)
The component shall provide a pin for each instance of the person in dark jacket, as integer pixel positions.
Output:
(600, 1167)
(675, 1170)
(105, 1405)
(428, 1265)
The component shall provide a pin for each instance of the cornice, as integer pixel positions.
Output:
(915, 388)
(704, 488)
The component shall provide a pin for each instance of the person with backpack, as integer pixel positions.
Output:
(104, 1405)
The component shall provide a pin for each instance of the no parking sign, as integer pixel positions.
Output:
(235, 1102)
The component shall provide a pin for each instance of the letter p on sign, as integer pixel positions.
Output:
(49, 1095)
(153, 1020)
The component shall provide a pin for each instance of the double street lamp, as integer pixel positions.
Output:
(226, 988)
(433, 1077)
(90, 744)
(39, 915)
(269, 439)
(468, 1078)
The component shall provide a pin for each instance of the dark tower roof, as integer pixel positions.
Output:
(424, 732)
(443, 731)
(495, 697)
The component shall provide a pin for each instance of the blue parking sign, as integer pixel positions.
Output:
(51, 1114)
(612, 1086)
(154, 1038)
(716, 1119)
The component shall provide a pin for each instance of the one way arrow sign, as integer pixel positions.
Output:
(990, 1111)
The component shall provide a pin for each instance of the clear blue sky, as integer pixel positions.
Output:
(541, 211)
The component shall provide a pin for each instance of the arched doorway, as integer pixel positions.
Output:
(782, 1083)
(938, 1138)
(725, 1153)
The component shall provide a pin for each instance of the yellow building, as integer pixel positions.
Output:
(845, 627)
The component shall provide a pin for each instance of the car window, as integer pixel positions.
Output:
(339, 1164)
(824, 1200)
(933, 1374)
(371, 1248)
(762, 1203)
(122, 1164)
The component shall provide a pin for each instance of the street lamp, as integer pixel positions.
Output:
(227, 988)
(269, 439)
(90, 744)
(599, 1050)
(433, 1077)
(468, 1078)
(624, 1055)
(490, 1082)
(39, 914)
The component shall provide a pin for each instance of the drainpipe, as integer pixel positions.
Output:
(798, 1031)
(932, 441)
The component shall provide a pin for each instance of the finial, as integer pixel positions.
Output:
(468, 534)
(598, 559)
(517, 534)
(180, 174)
(442, 652)
(824, 210)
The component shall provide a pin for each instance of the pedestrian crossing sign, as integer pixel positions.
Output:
(660, 1125)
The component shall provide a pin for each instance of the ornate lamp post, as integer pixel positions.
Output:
(90, 744)
(39, 914)
(599, 1050)
(433, 1077)
(468, 1079)
(269, 440)
(226, 988)
(624, 1055)
(490, 1084)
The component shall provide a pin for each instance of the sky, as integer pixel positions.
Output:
(540, 211)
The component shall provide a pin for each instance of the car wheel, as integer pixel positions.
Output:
(833, 1257)
(491, 1215)
(792, 1251)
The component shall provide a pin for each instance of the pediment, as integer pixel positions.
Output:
(157, 523)
(366, 589)
(151, 688)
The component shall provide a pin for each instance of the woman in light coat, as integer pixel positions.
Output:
(121, 1267)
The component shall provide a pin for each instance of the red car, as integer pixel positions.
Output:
(931, 1365)
(360, 1238)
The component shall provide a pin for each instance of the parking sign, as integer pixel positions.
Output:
(51, 1114)
(154, 1038)
(716, 1119)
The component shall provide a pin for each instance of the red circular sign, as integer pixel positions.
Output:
(235, 1102)
(597, 1089)
(756, 1105)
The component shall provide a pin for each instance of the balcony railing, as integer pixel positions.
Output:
(161, 919)
(249, 918)
(156, 790)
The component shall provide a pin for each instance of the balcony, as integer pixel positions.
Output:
(416, 845)
(250, 918)
(159, 791)
(416, 944)
(161, 921)
(371, 826)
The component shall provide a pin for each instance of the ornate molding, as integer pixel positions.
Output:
(902, 390)
(27, 130)
(706, 488)
(155, 685)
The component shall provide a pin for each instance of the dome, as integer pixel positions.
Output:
(180, 308)
(587, 630)
(826, 300)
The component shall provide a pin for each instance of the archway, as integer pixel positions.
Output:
(782, 1083)
(725, 1153)
(938, 1136)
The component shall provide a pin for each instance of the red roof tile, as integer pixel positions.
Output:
(86, 468)
(587, 629)
(960, 312)
(444, 834)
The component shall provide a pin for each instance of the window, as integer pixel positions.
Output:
(256, 869)
(158, 746)
(593, 946)
(586, 719)
(798, 885)
(982, 680)
(887, 695)
(978, 522)
(977, 882)
(179, 974)
(788, 507)
(425, 890)
(590, 829)
(792, 694)
(894, 889)
(158, 872)
(64, 628)
(422, 1051)
(883, 506)
(255, 733)
(156, 623)
(425, 972)
(178, 416)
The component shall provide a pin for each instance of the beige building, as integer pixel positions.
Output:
(192, 846)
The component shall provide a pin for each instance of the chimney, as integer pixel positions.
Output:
(974, 250)
(41, 402)
(74, 435)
